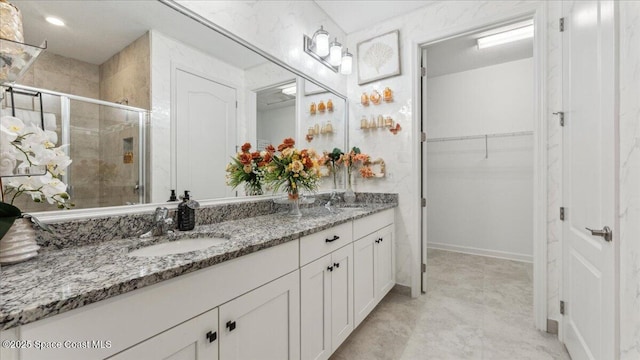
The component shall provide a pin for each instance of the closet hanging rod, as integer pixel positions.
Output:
(471, 137)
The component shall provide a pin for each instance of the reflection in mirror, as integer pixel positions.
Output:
(150, 100)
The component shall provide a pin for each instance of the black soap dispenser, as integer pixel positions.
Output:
(187, 213)
(173, 196)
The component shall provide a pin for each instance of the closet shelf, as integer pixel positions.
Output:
(485, 136)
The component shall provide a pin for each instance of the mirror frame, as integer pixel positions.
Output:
(102, 212)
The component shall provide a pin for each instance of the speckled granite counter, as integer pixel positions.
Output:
(61, 280)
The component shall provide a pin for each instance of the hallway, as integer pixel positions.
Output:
(476, 308)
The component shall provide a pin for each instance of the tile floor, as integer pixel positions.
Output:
(475, 308)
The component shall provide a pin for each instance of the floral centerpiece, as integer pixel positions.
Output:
(248, 168)
(331, 161)
(24, 148)
(293, 170)
(352, 160)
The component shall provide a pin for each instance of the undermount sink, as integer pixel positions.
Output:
(177, 247)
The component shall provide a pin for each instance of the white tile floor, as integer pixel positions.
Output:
(475, 308)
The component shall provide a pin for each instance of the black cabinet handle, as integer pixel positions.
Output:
(335, 237)
(231, 325)
(330, 268)
(381, 239)
(336, 265)
(212, 336)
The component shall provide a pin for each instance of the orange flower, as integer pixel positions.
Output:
(246, 147)
(308, 163)
(366, 172)
(245, 158)
(255, 154)
(286, 143)
(265, 160)
(270, 149)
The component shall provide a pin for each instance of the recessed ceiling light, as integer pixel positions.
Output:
(54, 20)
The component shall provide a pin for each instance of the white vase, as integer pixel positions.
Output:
(19, 243)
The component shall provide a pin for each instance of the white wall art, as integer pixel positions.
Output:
(379, 58)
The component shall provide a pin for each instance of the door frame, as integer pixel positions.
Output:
(537, 11)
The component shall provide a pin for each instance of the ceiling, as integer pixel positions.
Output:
(348, 14)
(97, 30)
(462, 54)
(274, 98)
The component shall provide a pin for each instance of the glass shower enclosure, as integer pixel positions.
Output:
(106, 143)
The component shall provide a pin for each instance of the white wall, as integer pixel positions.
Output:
(629, 180)
(275, 124)
(476, 204)
(165, 53)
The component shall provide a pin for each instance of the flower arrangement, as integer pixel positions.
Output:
(25, 146)
(248, 167)
(331, 161)
(292, 169)
(356, 159)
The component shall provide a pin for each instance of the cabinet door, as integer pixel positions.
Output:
(385, 262)
(341, 295)
(364, 281)
(192, 340)
(315, 309)
(264, 323)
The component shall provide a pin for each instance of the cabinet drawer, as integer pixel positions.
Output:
(321, 243)
(372, 223)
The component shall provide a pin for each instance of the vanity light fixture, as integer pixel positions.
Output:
(335, 53)
(519, 31)
(330, 55)
(347, 63)
(54, 21)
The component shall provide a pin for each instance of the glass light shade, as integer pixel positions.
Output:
(335, 53)
(321, 39)
(347, 63)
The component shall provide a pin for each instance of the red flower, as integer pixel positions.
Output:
(246, 147)
(255, 154)
(245, 158)
(270, 149)
(286, 143)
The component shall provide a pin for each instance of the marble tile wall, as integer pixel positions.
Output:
(629, 61)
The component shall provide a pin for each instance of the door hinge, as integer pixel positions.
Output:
(424, 268)
(423, 201)
(423, 136)
(561, 24)
(423, 71)
(562, 213)
(560, 116)
(563, 307)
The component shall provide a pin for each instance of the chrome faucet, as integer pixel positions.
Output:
(161, 223)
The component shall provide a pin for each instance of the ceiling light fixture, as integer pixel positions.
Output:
(289, 90)
(515, 32)
(329, 55)
(54, 21)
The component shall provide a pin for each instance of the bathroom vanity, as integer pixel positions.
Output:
(277, 288)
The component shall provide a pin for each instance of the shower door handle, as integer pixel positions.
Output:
(136, 188)
(606, 233)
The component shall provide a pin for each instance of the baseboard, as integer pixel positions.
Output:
(482, 252)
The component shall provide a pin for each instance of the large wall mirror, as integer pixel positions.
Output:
(150, 100)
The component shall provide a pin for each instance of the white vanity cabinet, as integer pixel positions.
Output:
(374, 261)
(326, 303)
(191, 340)
(264, 323)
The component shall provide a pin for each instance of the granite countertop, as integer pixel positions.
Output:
(61, 280)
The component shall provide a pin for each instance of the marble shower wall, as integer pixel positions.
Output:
(276, 27)
(629, 62)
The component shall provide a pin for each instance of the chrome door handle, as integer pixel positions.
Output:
(605, 233)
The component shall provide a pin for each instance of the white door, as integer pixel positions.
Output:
(589, 193)
(315, 309)
(264, 323)
(341, 295)
(193, 340)
(385, 262)
(364, 281)
(205, 128)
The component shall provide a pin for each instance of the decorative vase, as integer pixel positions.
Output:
(19, 243)
(295, 207)
(252, 189)
(349, 196)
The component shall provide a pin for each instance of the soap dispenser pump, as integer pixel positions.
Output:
(187, 213)
(173, 196)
